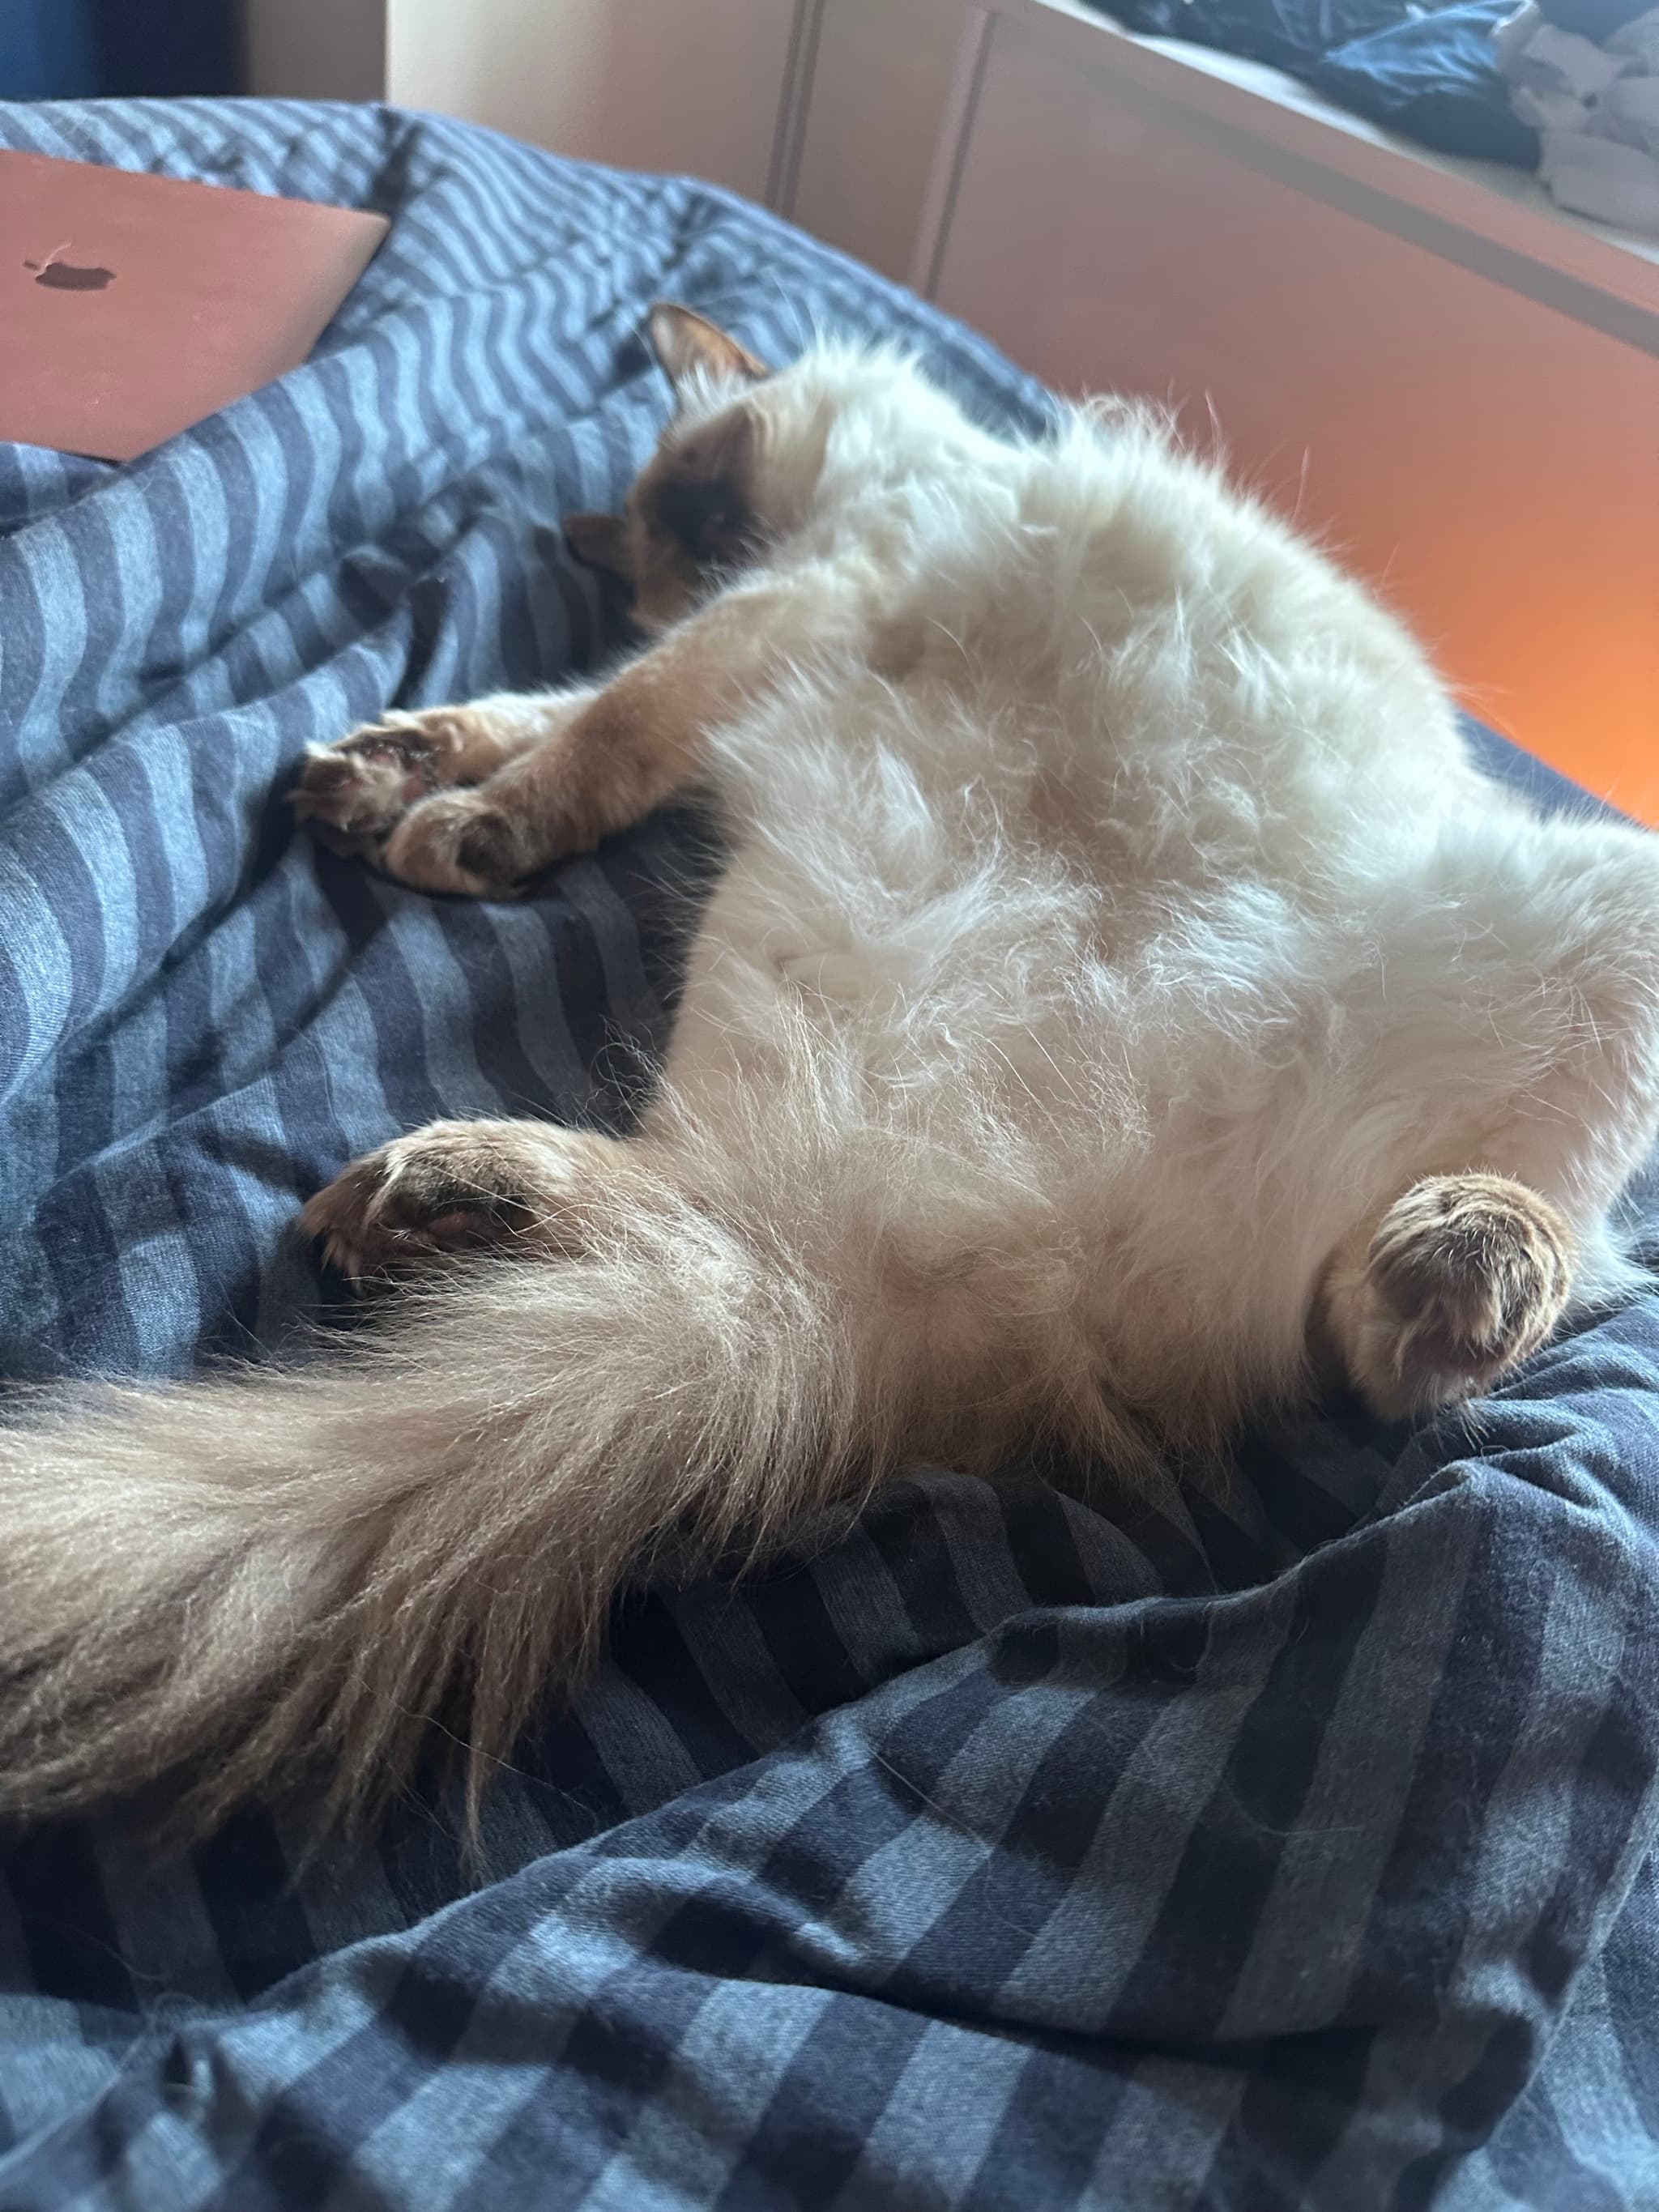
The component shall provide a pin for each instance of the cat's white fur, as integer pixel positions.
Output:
(1115, 928)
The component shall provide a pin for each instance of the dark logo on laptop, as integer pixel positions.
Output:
(60, 276)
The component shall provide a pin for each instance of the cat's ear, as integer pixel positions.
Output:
(688, 346)
(600, 541)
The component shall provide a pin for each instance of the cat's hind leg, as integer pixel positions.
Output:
(1515, 1084)
(1461, 1278)
(520, 1189)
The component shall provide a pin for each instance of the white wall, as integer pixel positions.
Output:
(666, 85)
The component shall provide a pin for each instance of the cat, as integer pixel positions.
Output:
(1124, 1004)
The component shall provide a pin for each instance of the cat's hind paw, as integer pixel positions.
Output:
(444, 1191)
(454, 1188)
(1463, 1277)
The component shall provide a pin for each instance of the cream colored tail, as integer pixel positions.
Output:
(217, 1582)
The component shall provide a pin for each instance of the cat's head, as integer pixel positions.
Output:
(714, 493)
(750, 459)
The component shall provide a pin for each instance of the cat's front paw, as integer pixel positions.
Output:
(461, 842)
(356, 791)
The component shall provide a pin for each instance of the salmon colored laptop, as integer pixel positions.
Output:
(131, 306)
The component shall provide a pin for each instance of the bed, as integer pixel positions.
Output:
(1289, 1844)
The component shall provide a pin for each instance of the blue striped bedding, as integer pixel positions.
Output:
(1289, 1846)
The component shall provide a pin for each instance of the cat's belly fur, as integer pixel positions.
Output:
(1113, 1042)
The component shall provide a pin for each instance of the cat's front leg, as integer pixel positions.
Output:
(615, 754)
(571, 769)
(478, 799)
(362, 793)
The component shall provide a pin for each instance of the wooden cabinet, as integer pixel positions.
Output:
(872, 120)
(1468, 415)
(313, 49)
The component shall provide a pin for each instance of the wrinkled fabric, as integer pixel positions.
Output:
(1287, 33)
(1427, 73)
(1432, 78)
(1596, 107)
(1598, 21)
(1285, 1840)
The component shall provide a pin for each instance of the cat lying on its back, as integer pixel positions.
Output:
(1123, 997)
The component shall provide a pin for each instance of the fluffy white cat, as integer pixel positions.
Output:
(1123, 1001)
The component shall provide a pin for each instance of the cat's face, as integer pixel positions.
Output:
(734, 471)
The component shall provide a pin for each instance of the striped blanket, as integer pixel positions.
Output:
(1289, 1845)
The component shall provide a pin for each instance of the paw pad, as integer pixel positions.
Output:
(1474, 1270)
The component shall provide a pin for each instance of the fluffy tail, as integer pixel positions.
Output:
(213, 1583)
